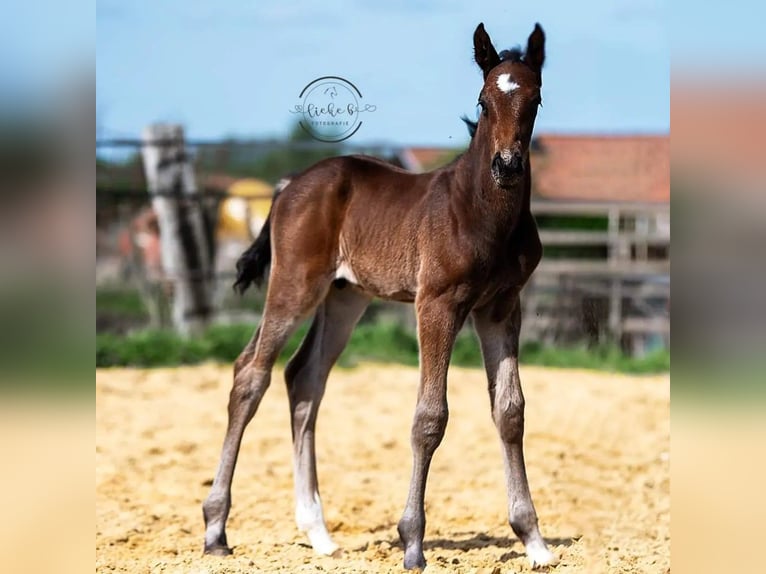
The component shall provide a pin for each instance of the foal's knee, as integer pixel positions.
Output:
(429, 425)
(509, 419)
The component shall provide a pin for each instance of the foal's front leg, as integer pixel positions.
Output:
(438, 323)
(499, 338)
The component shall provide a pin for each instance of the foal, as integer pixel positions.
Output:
(457, 241)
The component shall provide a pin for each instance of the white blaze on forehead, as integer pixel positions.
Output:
(506, 84)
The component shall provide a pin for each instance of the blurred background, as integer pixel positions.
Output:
(227, 76)
(224, 80)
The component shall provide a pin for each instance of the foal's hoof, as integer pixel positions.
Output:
(218, 550)
(541, 557)
(416, 562)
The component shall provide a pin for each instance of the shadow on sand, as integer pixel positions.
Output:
(478, 541)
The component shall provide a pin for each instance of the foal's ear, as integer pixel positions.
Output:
(483, 51)
(535, 55)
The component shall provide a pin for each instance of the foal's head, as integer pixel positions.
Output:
(508, 101)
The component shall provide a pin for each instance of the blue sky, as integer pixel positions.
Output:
(235, 68)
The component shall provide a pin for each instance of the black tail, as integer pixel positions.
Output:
(252, 264)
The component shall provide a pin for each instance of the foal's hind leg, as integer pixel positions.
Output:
(306, 376)
(286, 306)
(499, 338)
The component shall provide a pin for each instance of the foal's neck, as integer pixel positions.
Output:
(499, 208)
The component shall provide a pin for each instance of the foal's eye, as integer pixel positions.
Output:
(483, 105)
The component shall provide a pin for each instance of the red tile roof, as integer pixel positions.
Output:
(584, 168)
(602, 168)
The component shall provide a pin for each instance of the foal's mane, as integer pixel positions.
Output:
(515, 54)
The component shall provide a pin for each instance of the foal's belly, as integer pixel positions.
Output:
(385, 282)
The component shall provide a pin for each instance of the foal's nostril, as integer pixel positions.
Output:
(507, 164)
(516, 165)
(498, 164)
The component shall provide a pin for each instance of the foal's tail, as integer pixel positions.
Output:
(252, 264)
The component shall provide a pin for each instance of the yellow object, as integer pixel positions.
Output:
(243, 213)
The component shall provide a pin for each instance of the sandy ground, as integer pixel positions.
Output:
(597, 456)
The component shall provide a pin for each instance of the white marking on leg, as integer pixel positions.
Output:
(506, 84)
(310, 519)
(213, 532)
(308, 511)
(539, 555)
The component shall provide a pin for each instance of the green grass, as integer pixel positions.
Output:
(125, 302)
(382, 342)
(604, 358)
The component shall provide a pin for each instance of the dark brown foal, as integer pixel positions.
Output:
(458, 241)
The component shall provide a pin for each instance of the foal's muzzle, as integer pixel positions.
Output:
(506, 167)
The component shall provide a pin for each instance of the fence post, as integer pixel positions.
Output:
(186, 258)
(615, 294)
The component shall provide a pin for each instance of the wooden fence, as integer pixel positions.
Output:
(623, 295)
(606, 285)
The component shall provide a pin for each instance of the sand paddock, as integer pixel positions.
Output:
(597, 449)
